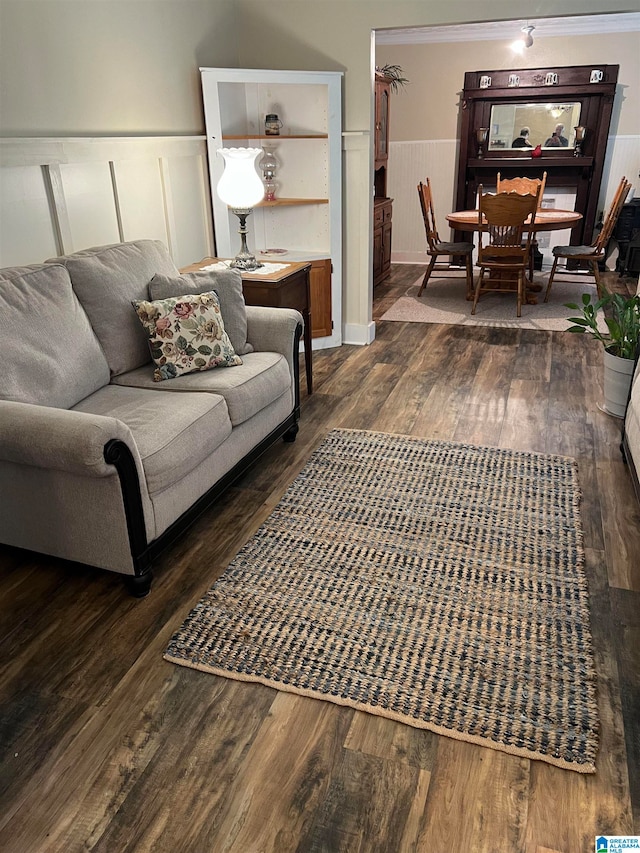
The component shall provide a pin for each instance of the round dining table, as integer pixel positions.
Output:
(547, 219)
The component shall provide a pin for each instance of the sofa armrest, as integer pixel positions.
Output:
(61, 439)
(275, 330)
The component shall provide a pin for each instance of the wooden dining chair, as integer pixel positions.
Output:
(525, 186)
(505, 219)
(435, 246)
(596, 252)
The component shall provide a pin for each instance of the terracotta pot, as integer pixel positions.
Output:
(617, 381)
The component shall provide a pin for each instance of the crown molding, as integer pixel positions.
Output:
(500, 30)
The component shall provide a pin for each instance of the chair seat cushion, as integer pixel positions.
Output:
(173, 433)
(573, 251)
(251, 386)
(454, 248)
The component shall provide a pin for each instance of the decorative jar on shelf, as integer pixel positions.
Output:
(272, 125)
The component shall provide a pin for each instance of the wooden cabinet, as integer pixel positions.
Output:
(305, 218)
(289, 288)
(320, 278)
(382, 211)
(382, 205)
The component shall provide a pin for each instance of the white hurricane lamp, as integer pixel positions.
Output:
(241, 189)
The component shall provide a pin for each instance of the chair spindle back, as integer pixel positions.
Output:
(503, 217)
(426, 205)
(600, 243)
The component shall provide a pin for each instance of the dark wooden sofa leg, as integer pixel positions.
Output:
(291, 433)
(140, 585)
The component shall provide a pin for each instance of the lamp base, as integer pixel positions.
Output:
(244, 260)
(248, 264)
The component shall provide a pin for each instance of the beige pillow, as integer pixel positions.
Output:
(226, 283)
(186, 334)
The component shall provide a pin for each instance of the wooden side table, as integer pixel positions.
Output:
(286, 288)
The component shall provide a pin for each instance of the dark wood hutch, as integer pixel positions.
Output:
(591, 86)
(382, 204)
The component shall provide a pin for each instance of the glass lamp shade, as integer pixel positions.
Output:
(268, 164)
(240, 186)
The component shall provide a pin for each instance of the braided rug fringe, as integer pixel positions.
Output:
(430, 582)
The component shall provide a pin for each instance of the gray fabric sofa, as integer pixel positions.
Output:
(99, 463)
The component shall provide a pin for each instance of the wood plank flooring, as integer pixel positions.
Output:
(107, 747)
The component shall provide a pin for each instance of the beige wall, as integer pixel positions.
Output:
(80, 67)
(422, 110)
(335, 35)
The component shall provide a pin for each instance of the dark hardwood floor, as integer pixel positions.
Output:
(107, 747)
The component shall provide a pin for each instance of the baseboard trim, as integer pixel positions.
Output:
(359, 335)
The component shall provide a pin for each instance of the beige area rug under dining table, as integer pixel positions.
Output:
(433, 583)
(444, 301)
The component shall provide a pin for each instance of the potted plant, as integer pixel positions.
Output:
(620, 341)
(393, 74)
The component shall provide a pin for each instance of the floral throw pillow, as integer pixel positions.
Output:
(186, 334)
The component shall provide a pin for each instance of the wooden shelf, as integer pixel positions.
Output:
(275, 138)
(288, 202)
(542, 162)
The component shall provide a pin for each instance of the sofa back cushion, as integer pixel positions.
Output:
(48, 351)
(107, 279)
(226, 283)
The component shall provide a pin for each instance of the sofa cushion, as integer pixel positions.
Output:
(106, 280)
(262, 378)
(173, 434)
(186, 334)
(48, 351)
(226, 283)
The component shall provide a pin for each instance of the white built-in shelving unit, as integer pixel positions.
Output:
(305, 219)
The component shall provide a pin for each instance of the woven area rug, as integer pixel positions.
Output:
(444, 301)
(433, 583)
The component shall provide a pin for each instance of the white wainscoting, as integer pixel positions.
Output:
(622, 158)
(62, 195)
(411, 162)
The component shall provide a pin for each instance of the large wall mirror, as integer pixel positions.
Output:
(519, 110)
(528, 125)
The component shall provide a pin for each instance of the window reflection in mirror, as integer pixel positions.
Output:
(528, 125)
